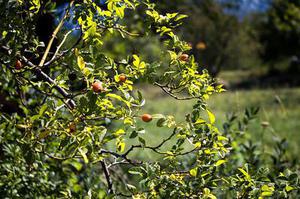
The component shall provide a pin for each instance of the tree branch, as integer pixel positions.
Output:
(153, 148)
(48, 79)
(134, 162)
(107, 176)
(45, 77)
(164, 88)
(57, 57)
(54, 35)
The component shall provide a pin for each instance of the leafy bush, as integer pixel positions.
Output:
(69, 120)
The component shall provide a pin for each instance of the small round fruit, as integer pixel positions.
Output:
(201, 46)
(146, 117)
(184, 57)
(18, 65)
(122, 78)
(97, 87)
(72, 127)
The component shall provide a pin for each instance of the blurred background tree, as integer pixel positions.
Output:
(226, 34)
(280, 33)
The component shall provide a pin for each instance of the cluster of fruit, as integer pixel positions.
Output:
(98, 87)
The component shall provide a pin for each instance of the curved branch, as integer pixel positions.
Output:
(164, 88)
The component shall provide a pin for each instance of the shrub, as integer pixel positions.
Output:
(69, 120)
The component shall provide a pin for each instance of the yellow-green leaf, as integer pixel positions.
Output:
(211, 117)
(200, 121)
(197, 144)
(119, 132)
(220, 162)
(121, 146)
(80, 62)
(289, 188)
(194, 171)
(266, 193)
(136, 61)
(245, 173)
(83, 154)
(120, 11)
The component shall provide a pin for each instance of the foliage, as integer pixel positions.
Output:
(220, 40)
(280, 30)
(69, 140)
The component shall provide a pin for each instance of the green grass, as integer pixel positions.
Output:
(279, 107)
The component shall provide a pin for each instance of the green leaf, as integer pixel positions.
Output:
(83, 152)
(267, 188)
(43, 109)
(133, 135)
(222, 138)
(211, 117)
(131, 187)
(181, 16)
(161, 122)
(115, 96)
(77, 165)
(220, 162)
(133, 172)
(121, 146)
(289, 188)
(142, 141)
(173, 55)
(197, 145)
(119, 132)
(81, 63)
(128, 120)
(136, 61)
(120, 11)
(248, 177)
(4, 33)
(200, 121)
(193, 172)
(263, 194)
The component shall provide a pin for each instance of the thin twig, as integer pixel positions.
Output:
(46, 78)
(107, 176)
(117, 163)
(174, 96)
(55, 157)
(167, 139)
(153, 148)
(134, 162)
(63, 53)
(61, 44)
(54, 35)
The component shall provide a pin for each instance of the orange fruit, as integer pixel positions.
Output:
(97, 87)
(122, 78)
(184, 57)
(146, 117)
(201, 46)
(18, 65)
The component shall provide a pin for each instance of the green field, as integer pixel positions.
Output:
(279, 107)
